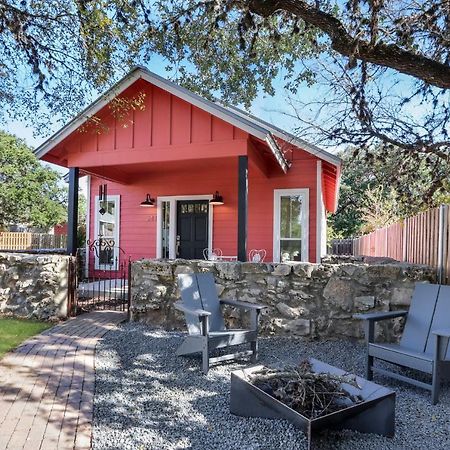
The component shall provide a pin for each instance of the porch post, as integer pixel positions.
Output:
(72, 223)
(242, 208)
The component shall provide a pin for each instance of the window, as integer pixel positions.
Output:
(165, 229)
(290, 225)
(107, 232)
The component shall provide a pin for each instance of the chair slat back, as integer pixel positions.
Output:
(210, 300)
(420, 316)
(190, 295)
(441, 319)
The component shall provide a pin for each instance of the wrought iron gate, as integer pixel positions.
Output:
(99, 278)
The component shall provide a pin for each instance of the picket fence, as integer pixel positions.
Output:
(420, 239)
(31, 241)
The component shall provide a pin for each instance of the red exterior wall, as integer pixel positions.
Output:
(138, 225)
(302, 174)
(172, 148)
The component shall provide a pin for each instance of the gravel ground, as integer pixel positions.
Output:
(148, 398)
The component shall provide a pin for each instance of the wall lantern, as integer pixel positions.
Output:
(102, 197)
(148, 202)
(217, 199)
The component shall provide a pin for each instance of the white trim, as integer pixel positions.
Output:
(319, 211)
(173, 221)
(252, 125)
(289, 137)
(88, 223)
(277, 194)
(116, 199)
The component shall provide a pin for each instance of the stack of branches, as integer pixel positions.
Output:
(311, 394)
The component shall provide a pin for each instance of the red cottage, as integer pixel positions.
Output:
(213, 177)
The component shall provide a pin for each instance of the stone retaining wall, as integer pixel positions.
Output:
(33, 285)
(315, 300)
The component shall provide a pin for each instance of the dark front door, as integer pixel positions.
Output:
(192, 228)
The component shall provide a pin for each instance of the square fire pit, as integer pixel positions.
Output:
(374, 414)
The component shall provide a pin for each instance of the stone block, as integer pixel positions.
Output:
(298, 327)
(401, 296)
(257, 268)
(287, 311)
(364, 302)
(282, 270)
(303, 270)
(229, 270)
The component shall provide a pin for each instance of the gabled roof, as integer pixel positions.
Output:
(289, 137)
(252, 125)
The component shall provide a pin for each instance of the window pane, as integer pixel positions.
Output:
(291, 216)
(106, 229)
(291, 250)
(165, 207)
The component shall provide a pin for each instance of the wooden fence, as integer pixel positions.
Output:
(341, 247)
(421, 239)
(31, 241)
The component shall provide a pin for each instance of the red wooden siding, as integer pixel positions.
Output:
(302, 174)
(165, 121)
(138, 225)
(172, 148)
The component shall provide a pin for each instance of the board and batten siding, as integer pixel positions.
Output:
(164, 121)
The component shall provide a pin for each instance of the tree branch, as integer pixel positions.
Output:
(428, 70)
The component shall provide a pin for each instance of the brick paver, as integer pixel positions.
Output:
(47, 386)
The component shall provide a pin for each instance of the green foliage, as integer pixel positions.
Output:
(380, 189)
(15, 331)
(30, 193)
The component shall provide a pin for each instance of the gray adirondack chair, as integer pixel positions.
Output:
(424, 343)
(204, 319)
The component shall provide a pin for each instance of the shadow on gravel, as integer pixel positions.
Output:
(148, 398)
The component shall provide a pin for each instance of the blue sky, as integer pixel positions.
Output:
(264, 106)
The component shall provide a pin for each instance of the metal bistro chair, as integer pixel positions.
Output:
(212, 255)
(205, 323)
(424, 343)
(257, 255)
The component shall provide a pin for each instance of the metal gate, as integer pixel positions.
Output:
(99, 278)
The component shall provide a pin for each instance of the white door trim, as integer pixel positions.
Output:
(88, 223)
(97, 216)
(173, 221)
(277, 194)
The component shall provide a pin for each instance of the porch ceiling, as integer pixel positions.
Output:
(131, 173)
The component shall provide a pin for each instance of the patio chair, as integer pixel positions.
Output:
(212, 255)
(257, 255)
(204, 319)
(424, 343)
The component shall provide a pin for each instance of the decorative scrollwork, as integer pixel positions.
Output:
(101, 244)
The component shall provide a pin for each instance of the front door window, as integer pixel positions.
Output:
(192, 228)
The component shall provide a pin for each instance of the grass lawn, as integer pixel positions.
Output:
(15, 331)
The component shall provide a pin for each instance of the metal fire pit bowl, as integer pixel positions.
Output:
(375, 414)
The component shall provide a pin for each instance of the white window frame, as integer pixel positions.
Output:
(277, 194)
(173, 221)
(116, 237)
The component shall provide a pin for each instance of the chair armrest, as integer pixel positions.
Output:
(442, 332)
(194, 312)
(375, 317)
(246, 305)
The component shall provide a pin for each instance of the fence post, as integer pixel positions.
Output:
(405, 239)
(442, 241)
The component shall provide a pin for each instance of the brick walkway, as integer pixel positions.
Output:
(47, 386)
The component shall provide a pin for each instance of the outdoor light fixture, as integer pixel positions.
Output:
(102, 197)
(148, 202)
(217, 199)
